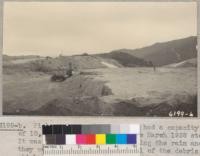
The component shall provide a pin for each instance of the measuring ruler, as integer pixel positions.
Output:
(91, 150)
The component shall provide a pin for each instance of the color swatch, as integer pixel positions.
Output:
(102, 134)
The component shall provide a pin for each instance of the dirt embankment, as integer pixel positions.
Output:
(78, 95)
(82, 95)
(119, 92)
(135, 107)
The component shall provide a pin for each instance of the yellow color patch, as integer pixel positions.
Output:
(100, 139)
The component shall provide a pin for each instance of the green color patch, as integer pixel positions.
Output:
(110, 139)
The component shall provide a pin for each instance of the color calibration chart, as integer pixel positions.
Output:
(96, 139)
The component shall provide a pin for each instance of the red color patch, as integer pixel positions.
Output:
(90, 139)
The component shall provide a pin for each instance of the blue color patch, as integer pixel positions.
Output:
(121, 139)
(131, 139)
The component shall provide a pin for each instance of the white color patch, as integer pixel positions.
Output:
(70, 139)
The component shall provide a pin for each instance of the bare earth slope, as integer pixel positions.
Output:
(28, 95)
(140, 88)
(106, 91)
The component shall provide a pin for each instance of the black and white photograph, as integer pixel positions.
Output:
(100, 59)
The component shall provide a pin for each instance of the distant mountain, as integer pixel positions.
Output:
(125, 59)
(167, 52)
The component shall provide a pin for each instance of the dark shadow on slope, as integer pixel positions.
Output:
(133, 108)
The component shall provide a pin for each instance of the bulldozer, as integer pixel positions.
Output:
(62, 77)
(58, 78)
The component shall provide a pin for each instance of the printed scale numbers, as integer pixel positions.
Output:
(91, 150)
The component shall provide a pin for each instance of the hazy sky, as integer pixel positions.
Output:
(51, 28)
